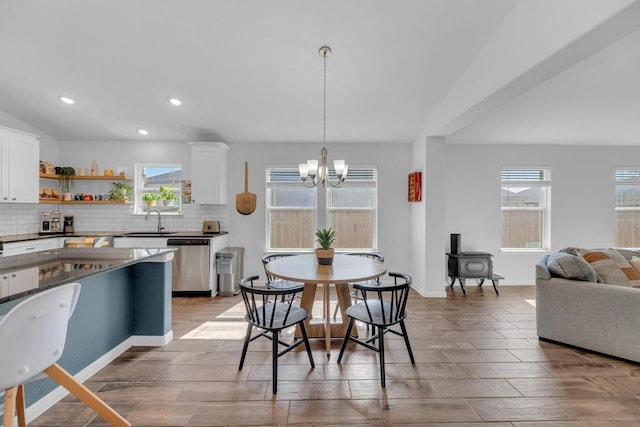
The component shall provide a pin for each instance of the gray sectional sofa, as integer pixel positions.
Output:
(600, 317)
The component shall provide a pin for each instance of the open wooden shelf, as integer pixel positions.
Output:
(88, 177)
(81, 202)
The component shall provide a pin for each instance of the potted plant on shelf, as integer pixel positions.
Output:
(65, 179)
(173, 201)
(150, 198)
(325, 238)
(167, 195)
(120, 192)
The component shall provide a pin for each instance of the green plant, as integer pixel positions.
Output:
(166, 193)
(325, 237)
(65, 178)
(150, 197)
(120, 192)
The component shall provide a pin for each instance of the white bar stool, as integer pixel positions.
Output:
(32, 337)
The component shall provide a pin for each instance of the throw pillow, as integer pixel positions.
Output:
(628, 253)
(569, 266)
(612, 267)
(570, 250)
(635, 261)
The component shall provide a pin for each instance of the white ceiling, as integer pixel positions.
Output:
(488, 71)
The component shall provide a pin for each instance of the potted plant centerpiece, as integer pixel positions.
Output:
(150, 198)
(325, 239)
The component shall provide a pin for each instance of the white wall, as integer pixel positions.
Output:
(418, 222)
(112, 154)
(249, 231)
(394, 211)
(428, 218)
(394, 225)
(582, 198)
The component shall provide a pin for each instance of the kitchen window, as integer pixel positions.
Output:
(158, 186)
(627, 207)
(525, 194)
(294, 212)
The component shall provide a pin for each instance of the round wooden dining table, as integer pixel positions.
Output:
(344, 270)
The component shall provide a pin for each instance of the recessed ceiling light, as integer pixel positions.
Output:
(67, 100)
(175, 101)
(143, 132)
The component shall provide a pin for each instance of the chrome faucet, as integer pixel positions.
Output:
(146, 218)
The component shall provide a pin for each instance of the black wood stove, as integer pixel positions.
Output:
(471, 265)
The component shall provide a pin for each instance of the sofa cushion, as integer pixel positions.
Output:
(569, 266)
(611, 266)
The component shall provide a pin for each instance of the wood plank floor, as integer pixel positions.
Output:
(478, 362)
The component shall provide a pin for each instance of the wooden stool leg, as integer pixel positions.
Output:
(9, 406)
(65, 379)
(20, 405)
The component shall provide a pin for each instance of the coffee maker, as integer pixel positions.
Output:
(50, 222)
(68, 225)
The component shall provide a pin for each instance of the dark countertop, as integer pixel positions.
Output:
(62, 266)
(36, 236)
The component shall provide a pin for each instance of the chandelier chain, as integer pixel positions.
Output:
(324, 102)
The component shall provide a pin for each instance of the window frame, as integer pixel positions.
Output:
(141, 208)
(526, 175)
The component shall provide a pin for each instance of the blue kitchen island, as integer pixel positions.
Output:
(125, 300)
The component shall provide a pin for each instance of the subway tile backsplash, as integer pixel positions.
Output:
(23, 218)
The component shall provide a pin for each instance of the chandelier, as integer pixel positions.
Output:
(313, 173)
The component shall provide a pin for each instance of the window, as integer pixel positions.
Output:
(627, 208)
(158, 186)
(525, 208)
(291, 210)
(351, 210)
(294, 212)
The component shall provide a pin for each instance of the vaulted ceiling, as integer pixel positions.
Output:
(475, 71)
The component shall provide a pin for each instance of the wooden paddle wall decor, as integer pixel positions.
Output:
(245, 201)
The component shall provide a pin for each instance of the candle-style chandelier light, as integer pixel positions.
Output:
(313, 173)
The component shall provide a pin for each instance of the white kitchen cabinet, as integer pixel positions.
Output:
(209, 173)
(19, 162)
(19, 281)
(4, 285)
(30, 246)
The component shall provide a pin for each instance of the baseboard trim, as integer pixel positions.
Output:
(152, 340)
(442, 294)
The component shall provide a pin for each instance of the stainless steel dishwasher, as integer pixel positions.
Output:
(191, 267)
